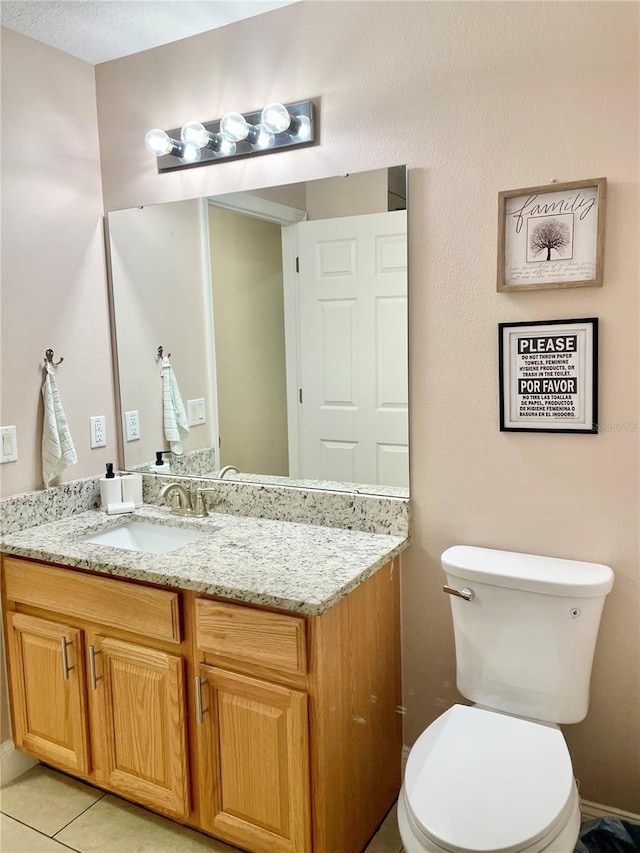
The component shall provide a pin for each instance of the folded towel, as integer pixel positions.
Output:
(176, 426)
(57, 445)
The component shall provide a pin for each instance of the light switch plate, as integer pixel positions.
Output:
(196, 412)
(98, 425)
(8, 444)
(132, 425)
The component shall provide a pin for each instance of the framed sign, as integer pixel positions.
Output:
(549, 376)
(551, 236)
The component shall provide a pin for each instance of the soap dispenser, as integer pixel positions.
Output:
(110, 488)
(160, 466)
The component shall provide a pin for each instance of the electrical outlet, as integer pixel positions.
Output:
(98, 425)
(132, 425)
(196, 412)
(8, 444)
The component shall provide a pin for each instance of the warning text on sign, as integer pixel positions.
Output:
(543, 385)
(548, 343)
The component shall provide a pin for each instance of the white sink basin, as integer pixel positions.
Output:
(146, 537)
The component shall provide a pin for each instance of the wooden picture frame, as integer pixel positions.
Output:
(548, 374)
(564, 220)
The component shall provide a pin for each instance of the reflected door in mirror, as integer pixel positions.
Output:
(352, 298)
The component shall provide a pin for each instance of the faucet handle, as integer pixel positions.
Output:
(200, 503)
(176, 500)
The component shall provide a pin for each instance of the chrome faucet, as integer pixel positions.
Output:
(186, 503)
(226, 470)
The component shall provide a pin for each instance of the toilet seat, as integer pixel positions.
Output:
(478, 780)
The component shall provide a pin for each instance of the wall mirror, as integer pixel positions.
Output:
(283, 313)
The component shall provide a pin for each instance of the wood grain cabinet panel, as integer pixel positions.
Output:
(130, 607)
(254, 760)
(48, 690)
(141, 747)
(231, 633)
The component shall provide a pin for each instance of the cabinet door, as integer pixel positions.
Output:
(140, 747)
(48, 685)
(253, 762)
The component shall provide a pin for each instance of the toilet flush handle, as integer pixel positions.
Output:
(465, 593)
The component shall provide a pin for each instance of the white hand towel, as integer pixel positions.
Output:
(57, 445)
(176, 425)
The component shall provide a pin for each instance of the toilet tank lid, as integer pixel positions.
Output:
(530, 572)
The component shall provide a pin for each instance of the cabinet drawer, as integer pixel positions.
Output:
(273, 640)
(118, 604)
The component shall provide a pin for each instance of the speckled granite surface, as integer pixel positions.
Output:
(350, 511)
(193, 463)
(315, 505)
(298, 567)
(28, 508)
(324, 485)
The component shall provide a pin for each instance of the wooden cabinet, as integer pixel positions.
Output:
(49, 704)
(254, 762)
(253, 730)
(277, 732)
(90, 703)
(138, 701)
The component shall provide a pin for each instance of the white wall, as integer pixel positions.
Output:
(53, 273)
(248, 309)
(475, 98)
(160, 283)
(53, 270)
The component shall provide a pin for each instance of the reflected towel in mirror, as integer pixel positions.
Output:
(57, 445)
(176, 425)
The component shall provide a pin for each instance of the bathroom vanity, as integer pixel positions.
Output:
(247, 684)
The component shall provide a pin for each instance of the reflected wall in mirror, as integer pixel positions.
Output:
(285, 314)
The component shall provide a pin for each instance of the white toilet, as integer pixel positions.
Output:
(496, 777)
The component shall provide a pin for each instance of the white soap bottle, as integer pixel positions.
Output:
(110, 488)
(160, 466)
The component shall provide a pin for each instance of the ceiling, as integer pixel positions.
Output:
(101, 30)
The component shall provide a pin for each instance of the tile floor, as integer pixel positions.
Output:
(44, 811)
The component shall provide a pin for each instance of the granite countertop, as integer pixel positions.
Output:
(303, 568)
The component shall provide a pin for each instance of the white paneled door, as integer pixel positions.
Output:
(353, 349)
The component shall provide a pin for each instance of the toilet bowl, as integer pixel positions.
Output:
(496, 777)
(479, 781)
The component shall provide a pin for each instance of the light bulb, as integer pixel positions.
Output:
(194, 133)
(264, 139)
(225, 148)
(276, 118)
(234, 127)
(158, 142)
(191, 153)
(303, 129)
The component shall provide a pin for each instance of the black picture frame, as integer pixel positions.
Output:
(548, 376)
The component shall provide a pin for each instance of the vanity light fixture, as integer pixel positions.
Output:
(235, 135)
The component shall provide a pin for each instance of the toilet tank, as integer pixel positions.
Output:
(525, 641)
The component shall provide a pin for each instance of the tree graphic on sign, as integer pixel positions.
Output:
(550, 235)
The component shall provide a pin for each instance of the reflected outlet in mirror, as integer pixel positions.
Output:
(285, 313)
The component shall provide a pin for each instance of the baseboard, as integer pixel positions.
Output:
(592, 810)
(13, 763)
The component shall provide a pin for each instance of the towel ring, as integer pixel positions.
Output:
(48, 358)
(160, 351)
